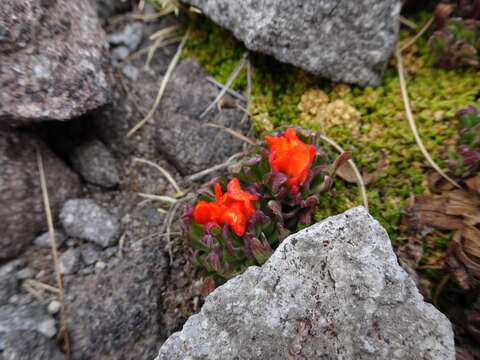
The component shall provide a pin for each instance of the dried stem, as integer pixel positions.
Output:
(163, 198)
(230, 161)
(163, 85)
(360, 182)
(232, 132)
(231, 92)
(411, 121)
(227, 86)
(412, 41)
(408, 23)
(249, 91)
(164, 172)
(53, 243)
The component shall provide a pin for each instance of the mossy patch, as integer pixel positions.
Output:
(435, 96)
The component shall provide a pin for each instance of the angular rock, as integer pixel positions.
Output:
(22, 210)
(69, 262)
(349, 41)
(90, 253)
(96, 164)
(85, 219)
(181, 134)
(8, 280)
(25, 317)
(331, 291)
(116, 313)
(108, 8)
(52, 60)
(131, 36)
(30, 345)
(44, 239)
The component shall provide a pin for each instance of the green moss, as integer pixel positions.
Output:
(435, 96)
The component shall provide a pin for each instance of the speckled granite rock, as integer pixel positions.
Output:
(85, 219)
(348, 41)
(51, 60)
(331, 291)
(21, 212)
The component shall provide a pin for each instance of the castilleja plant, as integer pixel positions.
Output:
(466, 161)
(275, 191)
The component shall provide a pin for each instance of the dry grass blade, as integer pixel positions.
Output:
(249, 91)
(360, 182)
(411, 121)
(164, 172)
(232, 132)
(163, 198)
(163, 85)
(153, 48)
(412, 41)
(42, 286)
(165, 32)
(230, 161)
(53, 244)
(408, 23)
(229, 91)
(227, 86)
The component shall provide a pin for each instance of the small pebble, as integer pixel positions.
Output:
(44, 239)
(25, 273)
(54, 307)
(100, 265)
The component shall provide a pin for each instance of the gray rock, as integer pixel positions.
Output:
(91, 253)
(52, 60)
(116, 313)
(85, 219)
(30, 345)
(8, 280)
(130, 72)
(22, 211)
(181, 136)
(119, 54)
(25, 317)
(54, 307)
(44, 239)
(108, 8)
(331, 291)
(69, 262)
(131, 36)
(25, 273)
(349, 41)
(96, 164)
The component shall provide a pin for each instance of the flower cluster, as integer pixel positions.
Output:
(275, 191)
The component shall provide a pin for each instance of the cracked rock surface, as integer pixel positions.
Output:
(348, 41)
(331, 291)
(52, 60)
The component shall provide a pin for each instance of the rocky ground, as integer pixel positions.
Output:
(127, 280)
(126, 288)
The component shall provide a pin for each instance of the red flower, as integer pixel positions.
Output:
(233, 208)
(291, 156)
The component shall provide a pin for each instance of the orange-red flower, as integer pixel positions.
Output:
(291, 156)
(233, 208)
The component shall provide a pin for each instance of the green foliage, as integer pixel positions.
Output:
(436, 95)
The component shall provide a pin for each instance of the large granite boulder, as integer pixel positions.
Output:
(331, 291)
(348, 41)
(22, 212)
(51, 60)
